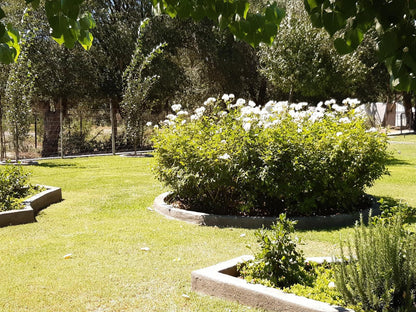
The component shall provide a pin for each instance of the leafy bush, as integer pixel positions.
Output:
(13, 186)
(278, 263)
(239, 158)
(382, 273)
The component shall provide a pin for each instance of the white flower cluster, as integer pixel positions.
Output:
(271, 114)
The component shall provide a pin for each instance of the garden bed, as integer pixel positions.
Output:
(304, 223)
(33, 205)
(221, 280)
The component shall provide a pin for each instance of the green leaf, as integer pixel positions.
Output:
(342, 47)
(388, 45)
(333, 22)
(34, 3)
(7, 54)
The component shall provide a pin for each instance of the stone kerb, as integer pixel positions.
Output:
(221, 280)
(33, 205)
(303, 223)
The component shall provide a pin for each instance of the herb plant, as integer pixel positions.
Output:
(278, 263)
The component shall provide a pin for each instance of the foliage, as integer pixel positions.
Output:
(136, 102)
(381, 274)
(18, 97)
(67, 26)
(13, 186)
(303, 64)
(238, 158)
(234, 15)
(322, 287)
(395, 23)
(278, 263)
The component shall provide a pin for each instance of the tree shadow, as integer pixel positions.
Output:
(396, 162)
(55, 165)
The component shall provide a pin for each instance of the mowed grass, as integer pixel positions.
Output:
(104, 223)
(401, 183)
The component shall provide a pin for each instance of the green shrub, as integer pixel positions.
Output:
(13, 186)
(233, 157)
(278, 263)
(381, 273)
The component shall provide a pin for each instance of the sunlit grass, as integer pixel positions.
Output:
(104, 222)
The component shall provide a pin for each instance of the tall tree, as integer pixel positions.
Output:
(18, 97)
(137, 85)
(303, 64)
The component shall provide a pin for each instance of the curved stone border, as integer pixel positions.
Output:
(221, 280)
(304, 223)
(33, 205)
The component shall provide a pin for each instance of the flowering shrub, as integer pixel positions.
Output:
(232, 156)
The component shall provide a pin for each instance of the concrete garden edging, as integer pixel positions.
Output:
(221, 280)
(304, 223)
(33, 205)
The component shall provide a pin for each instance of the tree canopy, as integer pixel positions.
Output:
(346, 20)
(68, 26)
(395, 21)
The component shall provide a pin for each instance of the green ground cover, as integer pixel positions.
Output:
(104, 222)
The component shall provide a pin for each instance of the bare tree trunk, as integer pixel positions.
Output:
(51, 124)
(16, 144)
(2, 149)
(407, 103)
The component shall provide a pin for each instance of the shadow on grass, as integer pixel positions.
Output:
(397, 162)
(55, 165)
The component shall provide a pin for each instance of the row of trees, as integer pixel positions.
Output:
(198, 60)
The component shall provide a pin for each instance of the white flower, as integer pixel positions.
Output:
(247, 126)
(176, 107)
(183, 122)
(225, 156)
(344, 120)
(182, 113)
(281, 107)
(223, 141)
(351, 102)
(330, 102)
(194, 117)
(209, 101)
(200, 111)
(240, 102)
(251, 104)
(231, 96)
(269, 106)
(156, 127)
(225, 97)
(316, 116)
(222, 113)
(372, 130)
(149, 123)
(339, 109)
(171, 117)
(339, 133)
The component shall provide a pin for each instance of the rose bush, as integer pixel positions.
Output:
(232, 156)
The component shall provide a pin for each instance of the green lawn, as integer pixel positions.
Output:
(104, 222)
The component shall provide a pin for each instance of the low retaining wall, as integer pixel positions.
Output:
(221, 281)
(304, 223)
(33, 205)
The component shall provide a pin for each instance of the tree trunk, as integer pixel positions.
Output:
(51, 123)
(407, 103)
(16, 145)
(2, 147)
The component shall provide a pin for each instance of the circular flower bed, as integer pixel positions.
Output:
(234, 157)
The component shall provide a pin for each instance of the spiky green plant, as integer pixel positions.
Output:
(381, 272)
